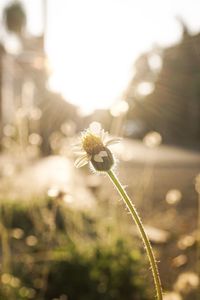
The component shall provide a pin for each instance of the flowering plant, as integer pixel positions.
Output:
(93, 148)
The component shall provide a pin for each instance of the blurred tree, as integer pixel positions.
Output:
(173, 106)
(15, 18)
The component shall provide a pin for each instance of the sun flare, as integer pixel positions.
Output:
(92, 45)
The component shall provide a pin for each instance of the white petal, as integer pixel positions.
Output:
(77, 147)
(95, 127)
(104, 135)
(79, 152)
(98, 157)
(78, 142)
(81, 164)
(81, 161)
(80, 158)
(113, 141)
(83, 133)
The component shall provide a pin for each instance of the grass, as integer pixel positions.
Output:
(48, 252)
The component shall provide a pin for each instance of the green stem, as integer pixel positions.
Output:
(143, 234)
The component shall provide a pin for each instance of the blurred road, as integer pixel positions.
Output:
(163, 167)
(157, 169)
(138, 153)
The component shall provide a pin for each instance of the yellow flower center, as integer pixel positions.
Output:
(92, 144)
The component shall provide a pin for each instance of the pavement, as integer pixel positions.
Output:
(53, 176)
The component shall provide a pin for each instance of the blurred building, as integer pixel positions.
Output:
(24, 94)
(23, 78)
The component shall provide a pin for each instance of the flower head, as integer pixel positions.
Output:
(93, 148)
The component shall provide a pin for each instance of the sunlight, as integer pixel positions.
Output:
(93, 66)
(88, 89)
(92, 45)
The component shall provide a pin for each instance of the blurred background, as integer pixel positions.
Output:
(133, 66)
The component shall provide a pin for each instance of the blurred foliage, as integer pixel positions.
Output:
(15, 17)
(109, 273)
(164, 93)
(50, 251)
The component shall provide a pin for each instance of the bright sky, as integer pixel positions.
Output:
(92, 44)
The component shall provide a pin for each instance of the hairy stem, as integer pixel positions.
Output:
(143, 234)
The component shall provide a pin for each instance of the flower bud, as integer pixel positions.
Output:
(103, 161)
